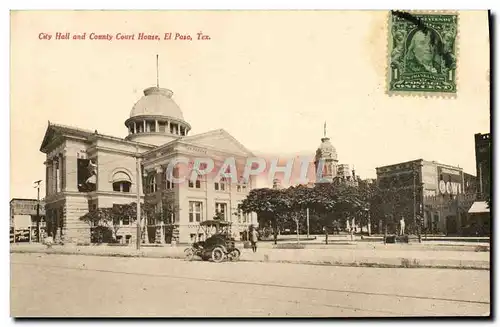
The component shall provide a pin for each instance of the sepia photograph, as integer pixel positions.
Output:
(250, 163)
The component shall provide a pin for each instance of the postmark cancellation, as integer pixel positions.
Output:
(422, 53)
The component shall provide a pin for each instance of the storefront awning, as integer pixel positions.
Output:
(479, 207)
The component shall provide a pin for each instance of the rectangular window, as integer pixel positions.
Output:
(195, 211)
(125, 221)
(221, 185)
(221, 209)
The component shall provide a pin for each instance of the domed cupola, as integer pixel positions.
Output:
(326, 156)
(156, 118)
(326, 150)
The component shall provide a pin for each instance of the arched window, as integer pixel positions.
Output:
(121, 182)
(152, 187)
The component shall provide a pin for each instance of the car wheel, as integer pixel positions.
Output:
(234, 255)
(218, 254)
(189, 253)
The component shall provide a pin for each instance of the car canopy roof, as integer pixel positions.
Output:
(218, 223)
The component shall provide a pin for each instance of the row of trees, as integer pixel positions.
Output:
(330, 205)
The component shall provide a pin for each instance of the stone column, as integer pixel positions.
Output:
(48, 177)
(70, 168)
(54, 176)
(135, 128)
(160, 178)
(157, 128)
(144, 125)
(61, 172)
(167, 126)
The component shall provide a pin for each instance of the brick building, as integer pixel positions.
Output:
(437, 192)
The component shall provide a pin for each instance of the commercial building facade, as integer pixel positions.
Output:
(483, 163)
(437, 193)
(24, 215)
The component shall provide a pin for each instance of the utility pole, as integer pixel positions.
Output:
(37, 211)
(139, 178)
(416, 223)
(157, 73)
(307, 219)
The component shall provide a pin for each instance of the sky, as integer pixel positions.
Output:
(271, 79)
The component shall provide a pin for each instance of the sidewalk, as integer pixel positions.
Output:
(393, 255)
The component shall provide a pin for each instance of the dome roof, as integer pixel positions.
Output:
(158, 102)
(326, 150)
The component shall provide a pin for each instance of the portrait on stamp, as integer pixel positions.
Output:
(422, 53)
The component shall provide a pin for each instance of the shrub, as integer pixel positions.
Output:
(101, 234)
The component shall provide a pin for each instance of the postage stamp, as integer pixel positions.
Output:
(422, 53)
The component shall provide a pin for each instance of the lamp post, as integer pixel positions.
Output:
(138, 191)
(37, 186)
(369, 223)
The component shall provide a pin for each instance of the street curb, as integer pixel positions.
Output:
(405, 263)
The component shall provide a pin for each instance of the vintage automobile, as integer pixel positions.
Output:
(218, 246)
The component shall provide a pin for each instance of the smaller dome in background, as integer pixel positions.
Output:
(157, 102)
(326, 149)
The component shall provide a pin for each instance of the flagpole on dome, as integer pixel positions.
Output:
(157, 73)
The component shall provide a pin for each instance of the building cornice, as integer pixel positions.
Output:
(159, 118)
(100, 148)
(176, 137)
(97, 137)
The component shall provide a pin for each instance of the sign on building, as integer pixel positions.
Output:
(450, 181)
(22, 221)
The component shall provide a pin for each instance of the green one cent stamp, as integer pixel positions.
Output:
(422, 53)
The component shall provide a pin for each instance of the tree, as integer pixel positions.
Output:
(99, 221)
(286, 207)
(270, 206)
(111, 217)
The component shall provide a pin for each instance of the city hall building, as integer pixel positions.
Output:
(86, 170)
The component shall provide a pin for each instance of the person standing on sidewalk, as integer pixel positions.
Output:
(254, 237)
